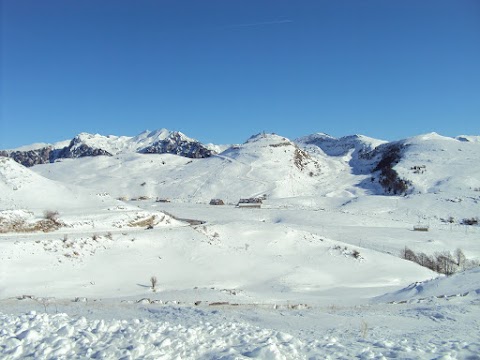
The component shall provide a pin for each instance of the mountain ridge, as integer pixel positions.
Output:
(361, 163)
(86, 144)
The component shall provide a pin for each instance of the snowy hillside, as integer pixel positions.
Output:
(22, 188)
(30, 202)
(435, 163)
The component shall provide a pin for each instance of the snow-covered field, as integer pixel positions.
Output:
(432, 329)
(315, 273)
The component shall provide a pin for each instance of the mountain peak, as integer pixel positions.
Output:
(267, 138)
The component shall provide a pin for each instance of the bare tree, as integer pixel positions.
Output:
(445, 263)
(460, 258)
(409, 254)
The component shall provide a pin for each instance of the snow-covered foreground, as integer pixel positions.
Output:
(428, 328)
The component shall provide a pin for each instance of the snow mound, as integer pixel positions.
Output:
(204, 336)
(466, 283)
(54, 336)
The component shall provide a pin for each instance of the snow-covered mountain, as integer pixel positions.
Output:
(421, 164)
(85, 145)
(314, 165)
(264, 164)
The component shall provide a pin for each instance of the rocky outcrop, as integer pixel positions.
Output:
(388, 156)
(30, 157)
(48, 154)
(178, 144)
(155, 142)
(77, 149)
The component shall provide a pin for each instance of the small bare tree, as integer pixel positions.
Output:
(460, 259)
(153, 281)
(363, 329)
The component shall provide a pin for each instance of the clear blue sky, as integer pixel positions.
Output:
(220, 71)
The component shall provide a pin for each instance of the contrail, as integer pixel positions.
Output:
(276, 22)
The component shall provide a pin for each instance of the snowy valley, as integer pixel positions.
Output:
(111, 247)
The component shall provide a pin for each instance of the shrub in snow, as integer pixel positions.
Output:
(449, 220)
(24, 221)
(471, 221)
(51, 215)
(141, 221)
(363, 329)
(153, 281)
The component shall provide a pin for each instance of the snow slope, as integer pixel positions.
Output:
(26, 197)
(22, 188)
(463, 284)
(443, 165)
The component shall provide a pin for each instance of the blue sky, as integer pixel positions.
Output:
(220, 71)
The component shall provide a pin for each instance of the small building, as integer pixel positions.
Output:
(217, 202)
(250, 203)
(420, 228)
(162, 200)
